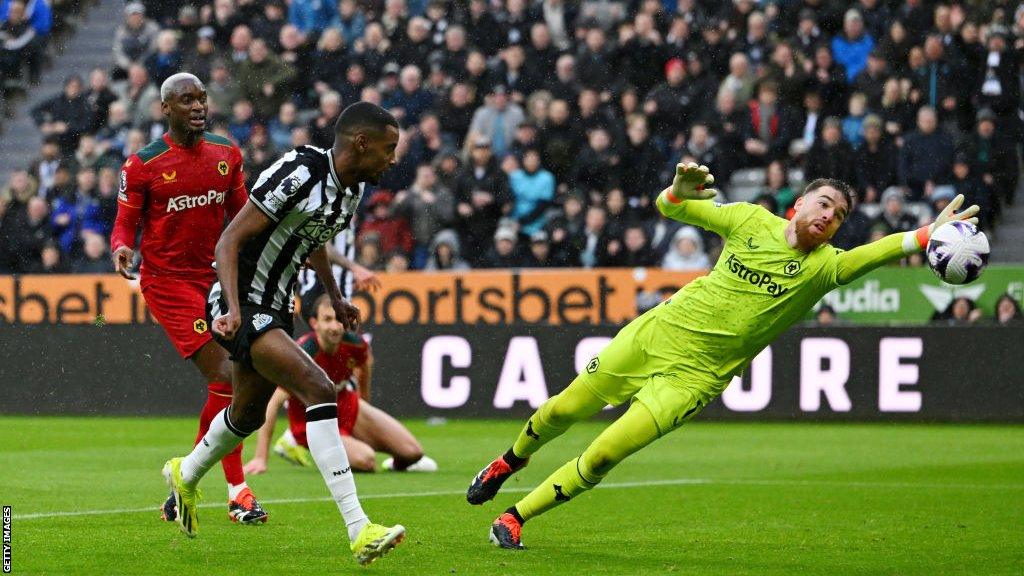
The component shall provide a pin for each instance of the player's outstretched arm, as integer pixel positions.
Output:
(248, 224)
(365, 279)
(862, 259)
(688, 200)
(258, 463)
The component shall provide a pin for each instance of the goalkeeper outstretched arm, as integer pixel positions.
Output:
(862, 259)
(688, 200)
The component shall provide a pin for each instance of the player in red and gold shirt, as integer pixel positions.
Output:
(180, 188)
(365, 429)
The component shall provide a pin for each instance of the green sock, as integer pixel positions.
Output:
(631, 432)
(555, 416)
(566, 483)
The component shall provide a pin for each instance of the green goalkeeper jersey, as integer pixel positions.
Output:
(760, 285)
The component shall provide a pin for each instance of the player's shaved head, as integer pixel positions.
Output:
(179, 82)
(363, 117)
(365, 139)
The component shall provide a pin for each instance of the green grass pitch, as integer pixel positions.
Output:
(712, 498)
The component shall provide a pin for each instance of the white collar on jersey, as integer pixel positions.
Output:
(337, 181)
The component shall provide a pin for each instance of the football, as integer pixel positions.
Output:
(957, 252)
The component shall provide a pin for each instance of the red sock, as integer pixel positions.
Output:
(218, 397)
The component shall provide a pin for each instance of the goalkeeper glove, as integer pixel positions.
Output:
(918, 240)
(690, 183)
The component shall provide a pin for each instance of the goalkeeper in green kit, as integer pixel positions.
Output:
(673, 360)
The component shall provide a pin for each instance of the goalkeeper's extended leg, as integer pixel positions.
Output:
(554, 417)
(631, 432)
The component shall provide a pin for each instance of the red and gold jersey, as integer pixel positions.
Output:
(353, 352)
(181, 196)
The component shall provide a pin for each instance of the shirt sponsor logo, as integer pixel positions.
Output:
(186, 202)
(759, 279)
(317, 231)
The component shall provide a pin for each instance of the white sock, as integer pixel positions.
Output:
(235, 489)
(329, 453)
(219, 440)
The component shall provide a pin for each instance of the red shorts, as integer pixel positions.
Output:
(179, 305)
(348, 411)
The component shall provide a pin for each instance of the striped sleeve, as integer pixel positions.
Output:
(278, 188)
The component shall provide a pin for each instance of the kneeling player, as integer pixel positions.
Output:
(365, 429)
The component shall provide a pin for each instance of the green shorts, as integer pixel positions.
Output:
(646, 361)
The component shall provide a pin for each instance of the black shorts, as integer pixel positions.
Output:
(256, 321)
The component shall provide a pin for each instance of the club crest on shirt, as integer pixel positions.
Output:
(199, 326)
(222, 167)
(592, 365)
(261, 321)
(792, 268)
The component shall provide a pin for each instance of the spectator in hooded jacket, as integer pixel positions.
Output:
(445, 253)
(894, 217)
(687, 251)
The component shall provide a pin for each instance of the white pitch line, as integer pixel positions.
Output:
(425, 494)
(607, 485)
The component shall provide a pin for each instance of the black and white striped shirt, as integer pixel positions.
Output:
(345, 244)
(301, 196)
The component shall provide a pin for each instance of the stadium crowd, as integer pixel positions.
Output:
(536, 133)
